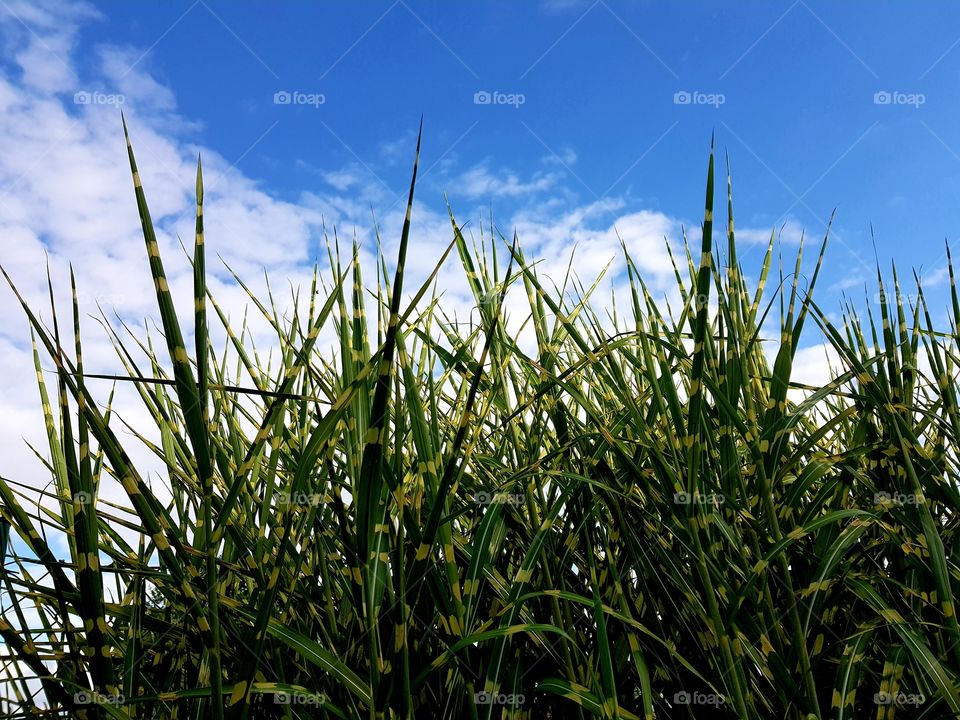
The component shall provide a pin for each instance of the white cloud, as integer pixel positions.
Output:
(936, 277)
(566, 157)
(598, 236)
(43, 52)
(343, 179)
(123, 70)
(854, 280)
(816, 364)
(480, 182)
(66, 192)
(788, 232)
(398, 150)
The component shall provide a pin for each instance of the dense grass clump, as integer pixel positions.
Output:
(636, 522)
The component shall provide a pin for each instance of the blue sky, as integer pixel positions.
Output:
(797, 83)
(577, 123)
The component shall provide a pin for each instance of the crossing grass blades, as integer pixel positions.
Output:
(633, 522)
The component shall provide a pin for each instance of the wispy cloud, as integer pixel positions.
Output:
(563, 157)
(557, 7)
(788, 232)
(482, 182)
